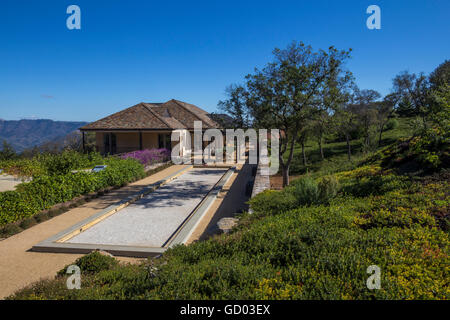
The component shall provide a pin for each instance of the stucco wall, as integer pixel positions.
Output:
(149, 140)
(99, 141)
(129, 141)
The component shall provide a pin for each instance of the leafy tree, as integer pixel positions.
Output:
(345, 122)
(412, 91)
(367, 112)
(331, 96)
(366, 96)
(385, 112)
(304, 134)
(440, 77)
(285, 94)
(440, 96)
(320, 127)
(235, 105)
(7, 152)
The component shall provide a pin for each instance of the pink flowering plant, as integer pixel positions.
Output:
(148, 156)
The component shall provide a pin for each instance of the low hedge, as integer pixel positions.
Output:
(51, 164)
(47, 190)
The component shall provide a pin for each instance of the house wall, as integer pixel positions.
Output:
(99, 142)
(149, 140)
(129, 141)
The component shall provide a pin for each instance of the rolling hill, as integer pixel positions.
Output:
(23, 134)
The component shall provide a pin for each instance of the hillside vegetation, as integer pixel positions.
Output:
(314, 239)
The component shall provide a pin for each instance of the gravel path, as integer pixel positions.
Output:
(152, 220)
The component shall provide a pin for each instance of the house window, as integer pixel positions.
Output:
(164, 141)
(109, 143)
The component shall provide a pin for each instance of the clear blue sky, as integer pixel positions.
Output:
(132, 51)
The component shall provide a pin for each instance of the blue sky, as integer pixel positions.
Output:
(132, 51)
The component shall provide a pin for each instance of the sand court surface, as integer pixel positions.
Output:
(152, 220)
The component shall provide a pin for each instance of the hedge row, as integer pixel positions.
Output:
(47, 190)
(51, 164)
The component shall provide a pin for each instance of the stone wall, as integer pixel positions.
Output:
(262, 180)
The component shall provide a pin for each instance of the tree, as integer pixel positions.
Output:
(366, 96)
(303, 135)
(440, 96)
(440, 77)
(320, 127)
(413, 93)
(365, 108)
(235, 105)
(345, 122)
(330, 98)
(385, 111)
(7, 152)
(285, 94)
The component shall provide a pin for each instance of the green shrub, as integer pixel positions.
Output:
(27, 223)
(69, 160)
(23, 167)
(270, 202)
(305, 191)
(42, 216)
(328, 188)
(392, 124)
(47, 190)
(93, 263)
(10, 229)
(375, 185)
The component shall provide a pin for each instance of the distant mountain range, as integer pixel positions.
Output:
(24, 134)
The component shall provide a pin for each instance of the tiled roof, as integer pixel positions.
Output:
(170, 115)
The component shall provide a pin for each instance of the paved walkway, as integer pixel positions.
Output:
(8, 182)
(20, 267)
(153, 219)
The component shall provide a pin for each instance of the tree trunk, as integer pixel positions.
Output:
(381, 133)
(321, 149)
(285, 170)
(285, 166)
(367, 143)
(349, 150)
(303, 153)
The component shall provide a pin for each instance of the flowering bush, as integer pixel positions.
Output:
(148, 156)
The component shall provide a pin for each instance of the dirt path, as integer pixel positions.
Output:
(20, 267)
